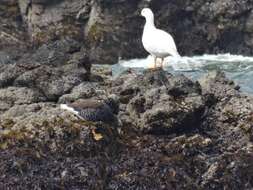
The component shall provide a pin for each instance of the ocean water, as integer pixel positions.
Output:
(237, 67)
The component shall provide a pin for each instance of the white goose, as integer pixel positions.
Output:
(158, 43)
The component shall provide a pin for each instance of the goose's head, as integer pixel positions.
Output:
(147, 13)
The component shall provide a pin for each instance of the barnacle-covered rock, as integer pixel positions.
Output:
(161, 103)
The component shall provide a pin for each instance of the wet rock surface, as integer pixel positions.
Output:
(212, 154)
(159, 103)
(110, 29)
(54, 147)
(174, 133)
(53, 70)
(212, 27)
(13, 35)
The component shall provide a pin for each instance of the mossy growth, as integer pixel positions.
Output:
(8, 135)
(231, 116)
(66, 135)
(56, 32)
(224, 23)
(13, 9)
(7, 124)
(247, 126)
(95, 32)
(40, 37)
(9, 9)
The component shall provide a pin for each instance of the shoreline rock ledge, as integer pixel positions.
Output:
(110, 29)
(174, 133)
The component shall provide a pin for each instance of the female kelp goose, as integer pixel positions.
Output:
(158, 43)
(95, 110)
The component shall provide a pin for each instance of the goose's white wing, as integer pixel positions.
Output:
(159, 43)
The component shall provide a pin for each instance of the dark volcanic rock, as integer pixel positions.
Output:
(211, 156)
(213, 26)
(54, 147)
(8, 73)
(112, 28)
(53, 70)
(225, 88)
(57, 53)
(15, 96)
(161, 103)
(13, 35)
(196, 140)
(84, 90)
(52, 82)
(175, 133)
(232, 109)
(108, 32)
(47, 20)
(182, 162)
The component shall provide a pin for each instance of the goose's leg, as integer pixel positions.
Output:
(162, 62)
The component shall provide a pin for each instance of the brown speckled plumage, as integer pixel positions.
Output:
(94, 110)
(83, 104)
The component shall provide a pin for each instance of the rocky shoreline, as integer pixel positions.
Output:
(112, 29)
(173, 133)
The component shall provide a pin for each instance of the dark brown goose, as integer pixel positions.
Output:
(92, 110)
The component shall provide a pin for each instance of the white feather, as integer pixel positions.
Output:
(155, 41)
(66, 107)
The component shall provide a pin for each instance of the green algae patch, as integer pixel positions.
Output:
(247, 126)
(95, 32)
(56, 32)
(9, 9)
(64, 134)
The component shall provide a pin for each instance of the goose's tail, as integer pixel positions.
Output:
(66, 107)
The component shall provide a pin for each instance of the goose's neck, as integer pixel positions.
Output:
(149, 23)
